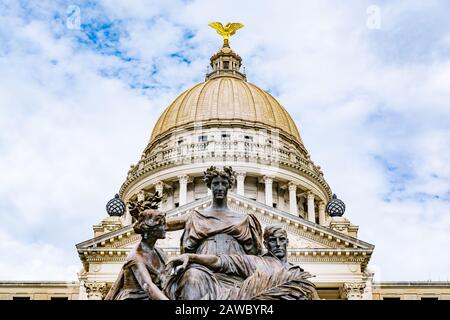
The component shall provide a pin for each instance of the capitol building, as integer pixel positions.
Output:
(227, 120)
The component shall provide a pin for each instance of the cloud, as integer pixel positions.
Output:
(77, 107)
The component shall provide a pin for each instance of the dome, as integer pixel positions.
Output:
(229, 99)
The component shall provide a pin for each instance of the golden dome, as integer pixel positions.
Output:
(226, 98)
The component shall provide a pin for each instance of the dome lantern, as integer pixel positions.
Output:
(226, 62)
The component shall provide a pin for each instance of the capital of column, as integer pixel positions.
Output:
(159, 187)
(184, 179)
(292, 186)
(353, 290)
(310, 195)
(96, 290)
(268, 179)
(322, 206)
(240, 175)
(141, 195)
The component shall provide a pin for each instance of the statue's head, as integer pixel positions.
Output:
(276, 241)
(219, 181)
(150, 222)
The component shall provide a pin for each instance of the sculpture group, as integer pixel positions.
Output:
(221, 254)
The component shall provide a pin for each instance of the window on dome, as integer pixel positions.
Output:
(226, 65)
(202, 138)
(248, 138)
(225, 136)
(180, 141)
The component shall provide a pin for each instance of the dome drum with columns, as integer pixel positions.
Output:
(228, 121)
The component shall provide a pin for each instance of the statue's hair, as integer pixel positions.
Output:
(212, 172)
(150, 201)
(146, 212)
(270, 230)
(148, 220)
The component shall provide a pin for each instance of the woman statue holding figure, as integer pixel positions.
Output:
(216, 230)
(142, 275)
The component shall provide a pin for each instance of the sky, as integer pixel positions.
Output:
(83, 82)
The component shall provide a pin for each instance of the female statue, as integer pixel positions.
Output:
(216, 230)
(142, 275)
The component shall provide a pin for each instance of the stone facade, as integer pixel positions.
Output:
(37, 290)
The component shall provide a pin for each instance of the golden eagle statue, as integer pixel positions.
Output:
(226, 31)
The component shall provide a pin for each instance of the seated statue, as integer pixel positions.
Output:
(269, 276)
(216, 230)
(142, 275)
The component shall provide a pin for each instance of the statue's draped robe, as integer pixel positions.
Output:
(127, 286)
(248, 266)
(230, 233)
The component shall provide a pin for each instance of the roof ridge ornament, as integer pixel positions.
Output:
(226, 31)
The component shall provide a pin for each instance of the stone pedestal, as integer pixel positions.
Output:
(107, 225)
(340, 224)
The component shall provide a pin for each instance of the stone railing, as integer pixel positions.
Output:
(254, 152)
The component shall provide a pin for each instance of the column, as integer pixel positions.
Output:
(159, 187)
(293, 199)
(268, 190)
(322, 216)
(353, 290)
(96, 290)
(183, 189)
(240, 177)
(311, 213)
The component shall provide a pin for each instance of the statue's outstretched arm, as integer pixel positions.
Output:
(180, 263)
(176, 223)
(145, 280)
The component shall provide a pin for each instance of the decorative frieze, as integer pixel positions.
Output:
(353, 290)
(96, 290)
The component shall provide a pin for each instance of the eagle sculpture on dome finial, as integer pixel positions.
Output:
(226, 31)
